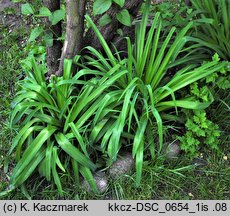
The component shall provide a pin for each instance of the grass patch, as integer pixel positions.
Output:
(159, 183)
(11, 44)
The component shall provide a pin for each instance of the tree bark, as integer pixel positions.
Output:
(109, 31)
(75, 10)
(74, 40)
(53, 52)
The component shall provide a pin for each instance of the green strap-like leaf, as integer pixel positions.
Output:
(55, 173)
(47, 119)
(139, 135)
(38, 74)
(139, 162)
(86, 173)
(79, 138)
(101, 39)
(75, 171)
(28, 133)
(57, 160)
(187, 104)
(72, 151)
(114, 142)
(159, 127)
(157, 116)
(31, 151)
(21, 177)
(20, 134)
(48, 160)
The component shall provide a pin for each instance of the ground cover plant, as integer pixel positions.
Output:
(143, 90)
(216, 25)
(153, 92)
(50, 114)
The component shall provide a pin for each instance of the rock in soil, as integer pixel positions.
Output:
(122, 166)
(173, 150)
(101, 181)
(200, 162)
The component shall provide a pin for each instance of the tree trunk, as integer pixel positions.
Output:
(109, 31)
(74, 40)
(75, 10)
(53, 52)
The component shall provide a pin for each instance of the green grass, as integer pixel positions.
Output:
(10, 54)
(210, 182)
(207, 182)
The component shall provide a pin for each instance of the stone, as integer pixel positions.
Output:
(173, 150)
(123, 165)
(200, 162)
(157, 1)
(101, 181)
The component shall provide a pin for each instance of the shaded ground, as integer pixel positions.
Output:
(5, 4)
(9, 14)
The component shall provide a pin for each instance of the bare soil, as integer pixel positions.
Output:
(6, 4)
(10, 15)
